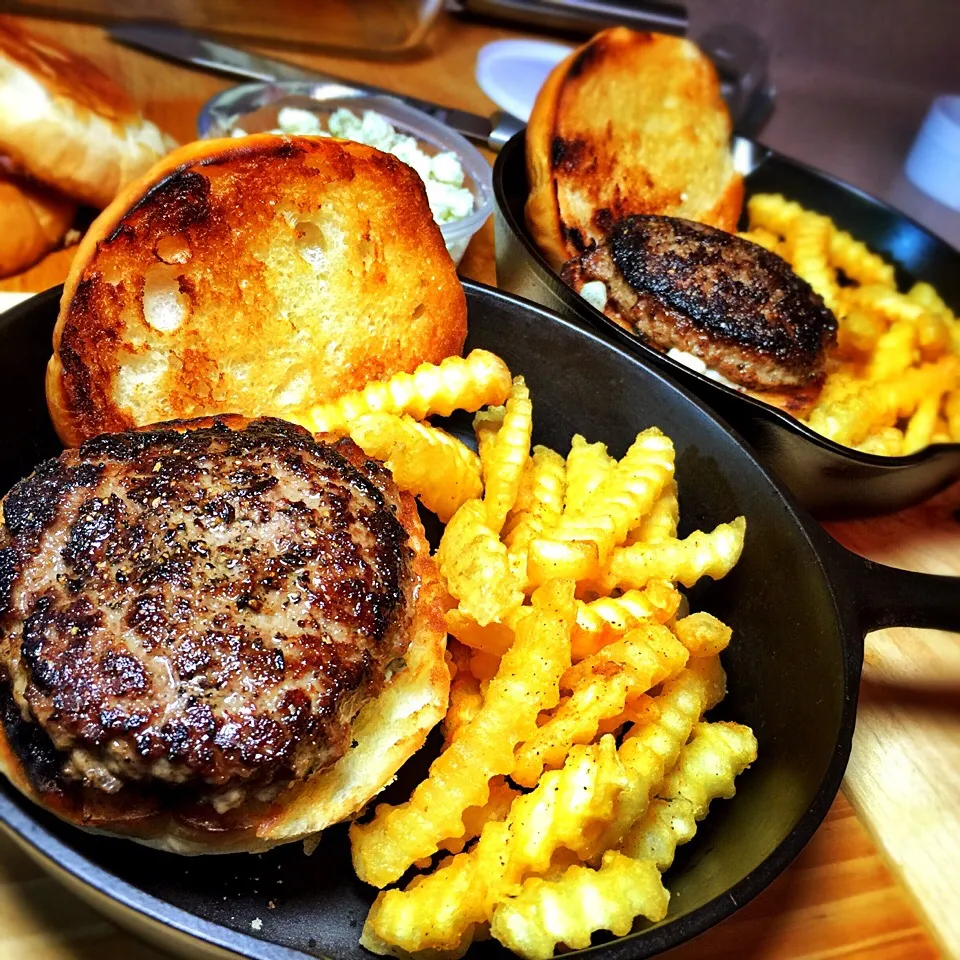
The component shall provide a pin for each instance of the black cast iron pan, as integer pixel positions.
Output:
(799, 605)
(827, 478)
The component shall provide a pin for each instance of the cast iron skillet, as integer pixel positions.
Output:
(799, 605)
(829, 479)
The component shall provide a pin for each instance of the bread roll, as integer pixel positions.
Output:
(256, 275)
(66, 123)
(33, 221)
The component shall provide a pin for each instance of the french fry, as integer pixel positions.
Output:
(858, 332)
(600, 687)
(494, 638)
(602, 621)
(621, 499)
(484, 665)
(838, 385)
(457, 383)
(716, 754)
(506, 456)
(701, 554)
(569, 910)
(920, 427)
(486, 426)
(661, 522)
(440, 470)
(541, 686)
(587, 465)
(649, 750)
(465, 695)
(857, 261)
(932, 329)
(884, 336)
(439, 911)
(566, 810)
(763, 238)
(951, 409)
(773, 212)
(540, 502)
(527, 683)
(851, 420)
(928, 298)
(811, 247)
(476, 566)
(886, 442)
(702, 634)
(570, 560)
(475, 819)
(642, 709)
(896, 351)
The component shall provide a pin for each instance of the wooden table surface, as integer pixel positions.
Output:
(839, 899)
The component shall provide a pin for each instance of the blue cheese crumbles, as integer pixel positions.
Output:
(441, 173)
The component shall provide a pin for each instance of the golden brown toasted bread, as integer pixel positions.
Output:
(66, 123)
(629, 123)
(253, 275)
(33, 220)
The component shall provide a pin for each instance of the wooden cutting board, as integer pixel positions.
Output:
(904, 773)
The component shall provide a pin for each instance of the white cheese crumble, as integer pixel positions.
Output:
(256, 924)
(442, 173)
(595, 293)
(696, 364)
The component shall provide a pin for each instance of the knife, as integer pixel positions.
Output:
(187, 46)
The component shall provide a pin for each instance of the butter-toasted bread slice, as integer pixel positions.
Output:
(629, 123)
(255, 276)
(66, 123)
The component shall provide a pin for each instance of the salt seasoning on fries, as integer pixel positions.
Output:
(578, 674)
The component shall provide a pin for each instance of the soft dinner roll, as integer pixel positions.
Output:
(66, 123)
(257, 275)
(629, 123)
(33, 220)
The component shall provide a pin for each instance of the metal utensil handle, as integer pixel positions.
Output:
(582, 16)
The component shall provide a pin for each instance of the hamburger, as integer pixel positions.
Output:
(217, 635)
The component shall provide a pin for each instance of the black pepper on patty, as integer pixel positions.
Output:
(207, 608)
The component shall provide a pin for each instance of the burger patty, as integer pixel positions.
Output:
(739, 308)
(207, 608)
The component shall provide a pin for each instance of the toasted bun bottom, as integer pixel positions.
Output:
(387, 732)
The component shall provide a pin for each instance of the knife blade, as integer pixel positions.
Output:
(187, 46)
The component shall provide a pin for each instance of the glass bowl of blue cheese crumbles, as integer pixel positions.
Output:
(456, 175)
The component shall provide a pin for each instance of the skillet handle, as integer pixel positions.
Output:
(890, 597)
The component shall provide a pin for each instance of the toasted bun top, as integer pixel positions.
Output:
(629, 123)
(259, 274)
(61, 72)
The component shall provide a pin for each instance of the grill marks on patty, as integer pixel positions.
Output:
(736, 306)
(206, 608)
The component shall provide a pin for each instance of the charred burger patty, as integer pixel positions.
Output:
(738, 307)
(200, 610)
